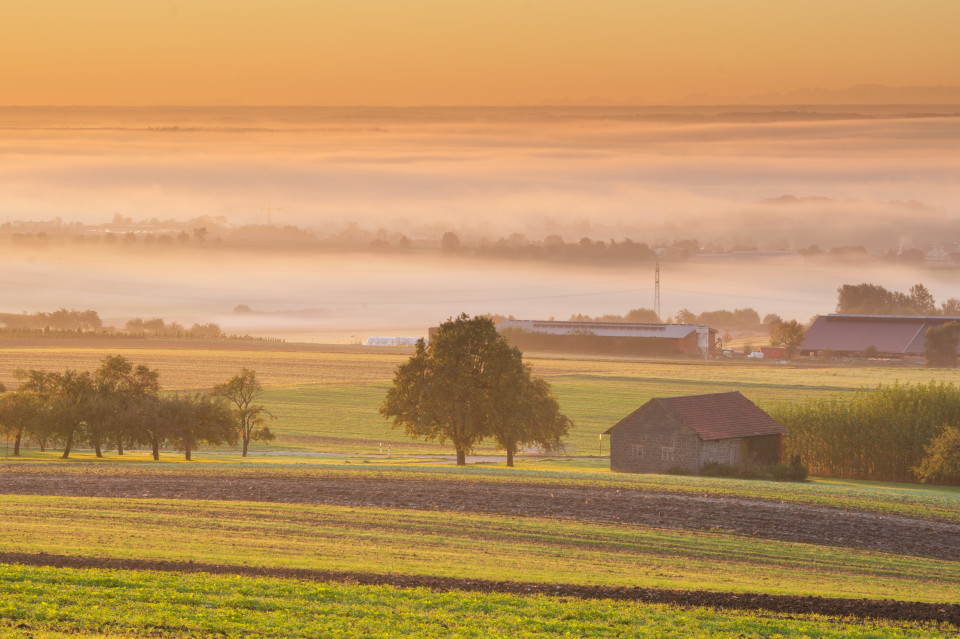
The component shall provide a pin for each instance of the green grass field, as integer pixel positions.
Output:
(462, 545)
(326, 408)
(328, 401)
(42, 603)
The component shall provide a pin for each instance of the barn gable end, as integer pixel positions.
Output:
(688, 432)
(653, 440)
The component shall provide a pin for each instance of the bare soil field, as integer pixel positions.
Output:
(937, 613)
(753, 517)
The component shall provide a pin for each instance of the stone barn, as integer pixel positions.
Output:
(688, 432)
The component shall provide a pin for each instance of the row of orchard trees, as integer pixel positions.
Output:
(120, 405)
(900, 432)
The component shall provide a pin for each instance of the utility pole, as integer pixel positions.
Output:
(656, 291)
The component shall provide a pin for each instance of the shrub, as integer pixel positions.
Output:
(794, 471)
(678, 470)
(716, 469)
(942, 461)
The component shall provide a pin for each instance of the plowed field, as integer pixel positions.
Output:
(758, 518)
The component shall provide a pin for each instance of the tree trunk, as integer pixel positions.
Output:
(186, 451)
(16, 446)
(246, 443)
(509, 457)
(67, 447)
(156, 449)
(43, 444)
(119, 444)
(96, 449)
(461, 457)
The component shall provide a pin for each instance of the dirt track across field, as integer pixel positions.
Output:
(753, 517)
(852, 608)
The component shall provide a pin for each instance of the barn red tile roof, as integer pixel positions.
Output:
(716, 415)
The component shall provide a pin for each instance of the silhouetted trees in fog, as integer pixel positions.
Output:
(873, 299)
(64, 323)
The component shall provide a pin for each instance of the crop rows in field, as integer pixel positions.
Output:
(424, 539)
(43, 602)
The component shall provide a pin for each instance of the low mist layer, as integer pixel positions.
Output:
(348, 296)
(880, 177)
(883, 178)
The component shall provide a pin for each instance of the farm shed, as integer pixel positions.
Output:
(611, 337)
(690, 431)
(890, 335)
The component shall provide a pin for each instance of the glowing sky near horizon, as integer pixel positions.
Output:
(482, 52)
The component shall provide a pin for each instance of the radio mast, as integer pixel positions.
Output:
(656, 291)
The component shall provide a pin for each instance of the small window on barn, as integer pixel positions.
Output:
(636, 450)
(666, 453)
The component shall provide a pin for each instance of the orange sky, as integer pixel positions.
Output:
(439, 52)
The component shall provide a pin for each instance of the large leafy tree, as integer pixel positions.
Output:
(788, 334)
(940, 345)
(66, 398)
(528, 415)
(107, 400)
(242, 392)
(140, 385)
(19, 413)
(71, 395)
(192, 419)
(468, 384)
(147, 422)
(118, 383)
(39, 383)
(921, 300)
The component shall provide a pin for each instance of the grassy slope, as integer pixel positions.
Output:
(460, 545)
(327, 401)
(47, 603)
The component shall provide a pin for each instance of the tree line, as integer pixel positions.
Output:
(743, 319)
(873, 299)
(87, 323)
(120, 406)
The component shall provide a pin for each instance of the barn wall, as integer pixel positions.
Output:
(724, 451)
(652, 442)
(688, 345)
